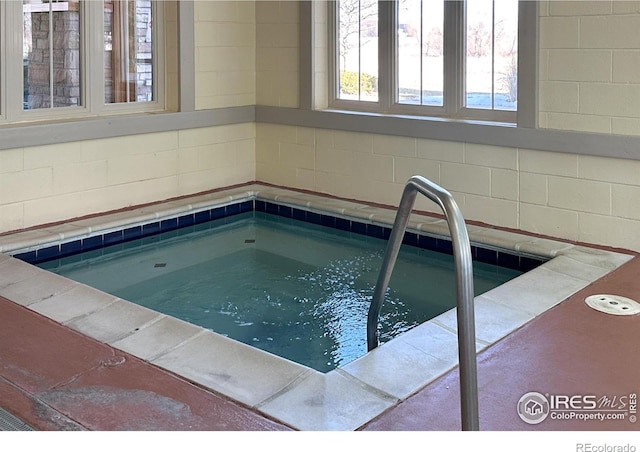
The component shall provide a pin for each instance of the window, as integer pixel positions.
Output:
(51, 39)
(81, 57)
(444, 58)
(128, 51)
(357, 42)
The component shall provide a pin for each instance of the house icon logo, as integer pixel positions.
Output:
(533, 408)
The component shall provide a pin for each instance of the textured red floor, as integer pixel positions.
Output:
(56, 379)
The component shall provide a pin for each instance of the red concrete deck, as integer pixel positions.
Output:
(54, 378)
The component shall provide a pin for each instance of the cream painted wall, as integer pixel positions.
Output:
(575, 197)
(590, 66)
(44, 184)
(225, 53)
(277, 53)
(588, 81)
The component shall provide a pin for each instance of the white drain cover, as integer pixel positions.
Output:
(613, 304)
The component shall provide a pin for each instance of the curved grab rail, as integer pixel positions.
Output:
(464, 287)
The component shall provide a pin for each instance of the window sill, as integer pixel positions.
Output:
(466, 131)
(39, 133)
(410, 117)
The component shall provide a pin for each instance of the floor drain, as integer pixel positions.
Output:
(613, 304)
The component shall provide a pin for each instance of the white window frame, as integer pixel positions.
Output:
(92, 68)
(454, 43)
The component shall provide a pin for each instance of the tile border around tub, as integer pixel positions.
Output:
(423, 240)
(100, 240)
(91, 233)
(345, 398)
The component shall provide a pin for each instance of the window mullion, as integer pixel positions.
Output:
(92, 54)
(454, 49)
(527, 64)
(386, 53)
(493, 55)
(12, 61)
(359, 53)
(332, 50)
(3, 60)
(3, 63)
(51, 56)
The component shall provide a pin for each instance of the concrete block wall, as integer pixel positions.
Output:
(225, 53)
(277, 53)
(575, 197)
(44, 184)
(589, 66)
(375, 168)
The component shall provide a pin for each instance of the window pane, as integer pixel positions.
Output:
(51, 54)
(128, 51)
(420, 52)
(492, 54)
(358, 49)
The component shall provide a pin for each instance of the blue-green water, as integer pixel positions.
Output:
(294, 289)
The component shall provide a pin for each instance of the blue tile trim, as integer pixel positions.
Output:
(185, 221)
(168, 225)
(285, 211)
(202, 217)
(508, 260)
(410, 238)
(217, 213)
(271, 208)
(71, 248)
(328, 221)
(486, 255)
(315, 218)
(358, 228)
(113, 238)
(151, 231)
(29, 256)
(132, 233)
(299, 214)
(343, 224)
(427, 242)
(260, 206)
(92, 243)
(48, 253)
(529, 263)
(376, 231)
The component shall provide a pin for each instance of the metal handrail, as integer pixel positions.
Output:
(464, 287)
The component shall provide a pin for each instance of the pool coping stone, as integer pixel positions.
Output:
(302, 398)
